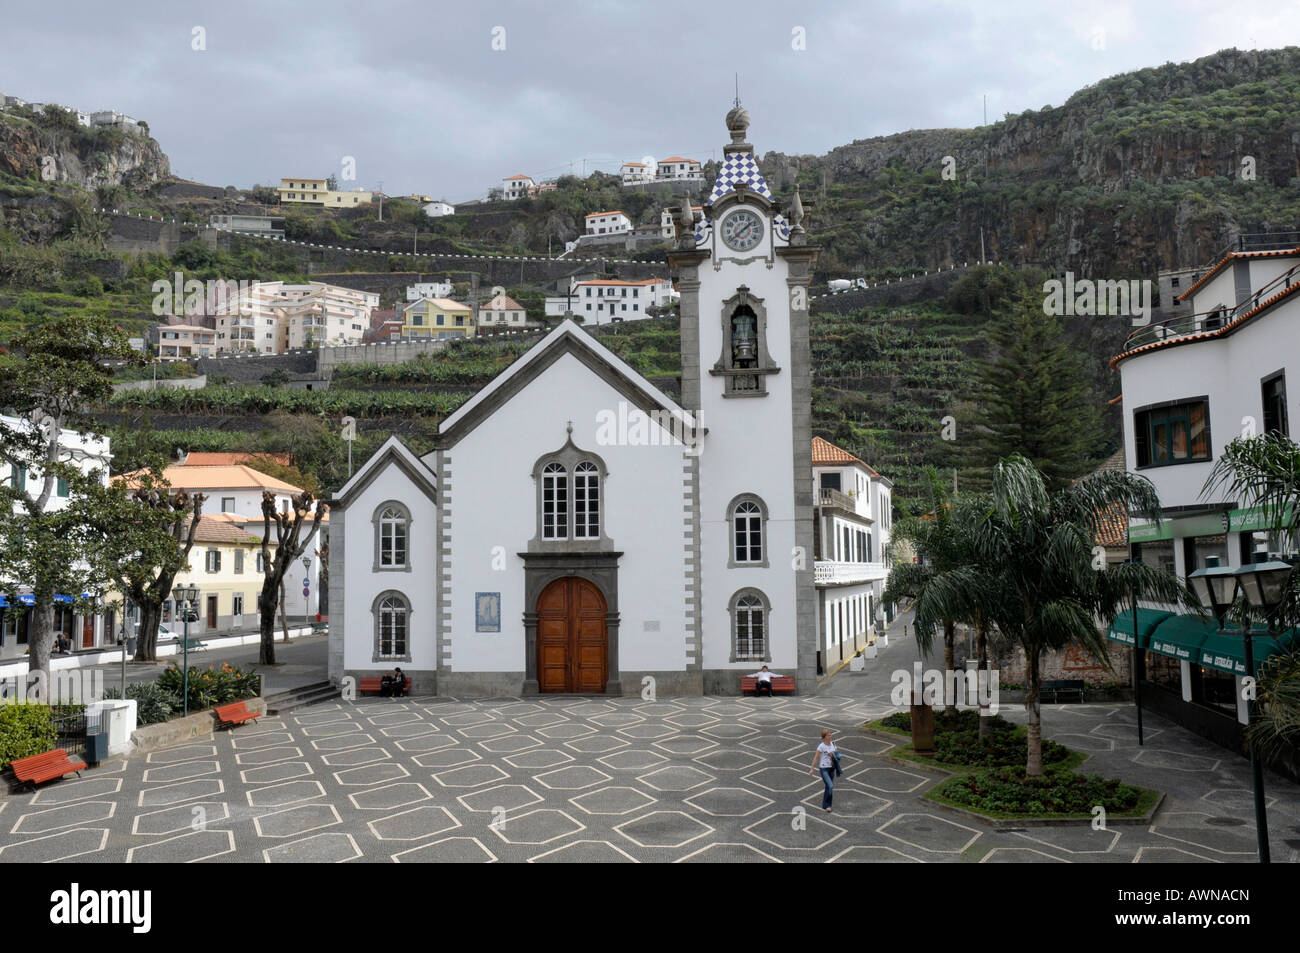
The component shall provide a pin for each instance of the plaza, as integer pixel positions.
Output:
(618, 779)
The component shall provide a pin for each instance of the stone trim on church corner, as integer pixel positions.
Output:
(691, 517)
(801, 260)
(442, 562)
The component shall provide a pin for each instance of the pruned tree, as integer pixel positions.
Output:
(146, 535)
(47, 376)
(290, 544)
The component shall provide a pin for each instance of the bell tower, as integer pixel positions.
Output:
(744, 267)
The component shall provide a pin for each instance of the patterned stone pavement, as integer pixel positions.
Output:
(617, 779)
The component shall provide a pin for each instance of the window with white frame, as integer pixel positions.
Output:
(749, 616)
(555, 502)
(392, 536)
(747, 517)
(392, 627)
(586, 501)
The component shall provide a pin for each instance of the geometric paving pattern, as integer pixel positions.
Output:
(579, 780)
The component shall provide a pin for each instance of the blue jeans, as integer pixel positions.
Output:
(828, 779)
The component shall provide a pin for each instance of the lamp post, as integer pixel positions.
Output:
(186, 596)
(1263, 583)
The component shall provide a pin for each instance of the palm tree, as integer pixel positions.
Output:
(1039, 546)
(1264, 471)
(963, 590)
(942, 548)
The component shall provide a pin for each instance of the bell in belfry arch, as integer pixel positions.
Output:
(744, 339)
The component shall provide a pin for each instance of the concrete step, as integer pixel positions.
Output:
(280, 702)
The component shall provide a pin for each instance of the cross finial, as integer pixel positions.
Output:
(569, 429)
(737, 75)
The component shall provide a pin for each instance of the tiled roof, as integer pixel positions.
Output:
(739, 167)
(825, 453)
(446, 304)
(600, 214)
(677, 159)
(1231, 256)
(641, 164)
(203, 478)
(206, 459)
(619, 282)
(511, 178)
(507, 303)
(1207, 335)
(1112, 526)
(222, 529)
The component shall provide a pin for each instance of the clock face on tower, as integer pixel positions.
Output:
(742, 230)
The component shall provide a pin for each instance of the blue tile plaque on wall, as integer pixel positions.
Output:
(487, 612)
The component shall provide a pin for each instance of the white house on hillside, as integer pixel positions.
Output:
(518, 186)
(601, 300)
(439, 209)
(429, 289)
(608, 223)
(634, 172)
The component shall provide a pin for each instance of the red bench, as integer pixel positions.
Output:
(46, 767)
(782, 684)
(375, 683)
(235, 713)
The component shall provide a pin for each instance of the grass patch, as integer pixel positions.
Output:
(1005, 793)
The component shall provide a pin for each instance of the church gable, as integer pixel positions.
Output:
(566, 340)
(393, 453)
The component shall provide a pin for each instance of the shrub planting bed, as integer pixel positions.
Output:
(162, 700)
(1006, 792)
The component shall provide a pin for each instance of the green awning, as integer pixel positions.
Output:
(1181, 637)
(1121, 630)
(1227, 653)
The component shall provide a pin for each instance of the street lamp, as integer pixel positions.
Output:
(1263, 583)
(186, 596)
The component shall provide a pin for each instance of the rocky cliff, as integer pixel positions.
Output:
(1154, 169)
(56, 150)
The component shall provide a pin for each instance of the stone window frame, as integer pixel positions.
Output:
(732, 607)
(731, 531)
(568, 457)
(375, 609)
(376, 520)
(765, 365)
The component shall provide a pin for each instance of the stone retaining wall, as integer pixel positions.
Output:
(197, 727)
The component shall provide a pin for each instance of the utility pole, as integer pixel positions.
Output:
(981, 244)
(415, 242)
(381, 201)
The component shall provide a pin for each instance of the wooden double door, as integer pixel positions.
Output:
(572, 639)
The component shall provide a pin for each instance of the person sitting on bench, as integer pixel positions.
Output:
(764, 680)
(399, 683)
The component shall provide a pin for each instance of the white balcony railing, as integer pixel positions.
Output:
(827, 572)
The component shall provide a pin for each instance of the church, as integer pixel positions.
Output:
(576, 529)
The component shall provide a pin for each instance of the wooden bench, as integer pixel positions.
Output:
(46, 767)
(782, 684)
(1068, 686)
(236, 713)
(191, 645)
(367, 684)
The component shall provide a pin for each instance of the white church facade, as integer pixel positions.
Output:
(576, 529)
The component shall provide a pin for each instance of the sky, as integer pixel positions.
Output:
(446, 99)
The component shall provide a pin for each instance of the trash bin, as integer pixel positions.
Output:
(96, 747)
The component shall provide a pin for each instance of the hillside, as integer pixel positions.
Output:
(1140, 172)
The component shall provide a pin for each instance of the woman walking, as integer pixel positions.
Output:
(824, 760)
